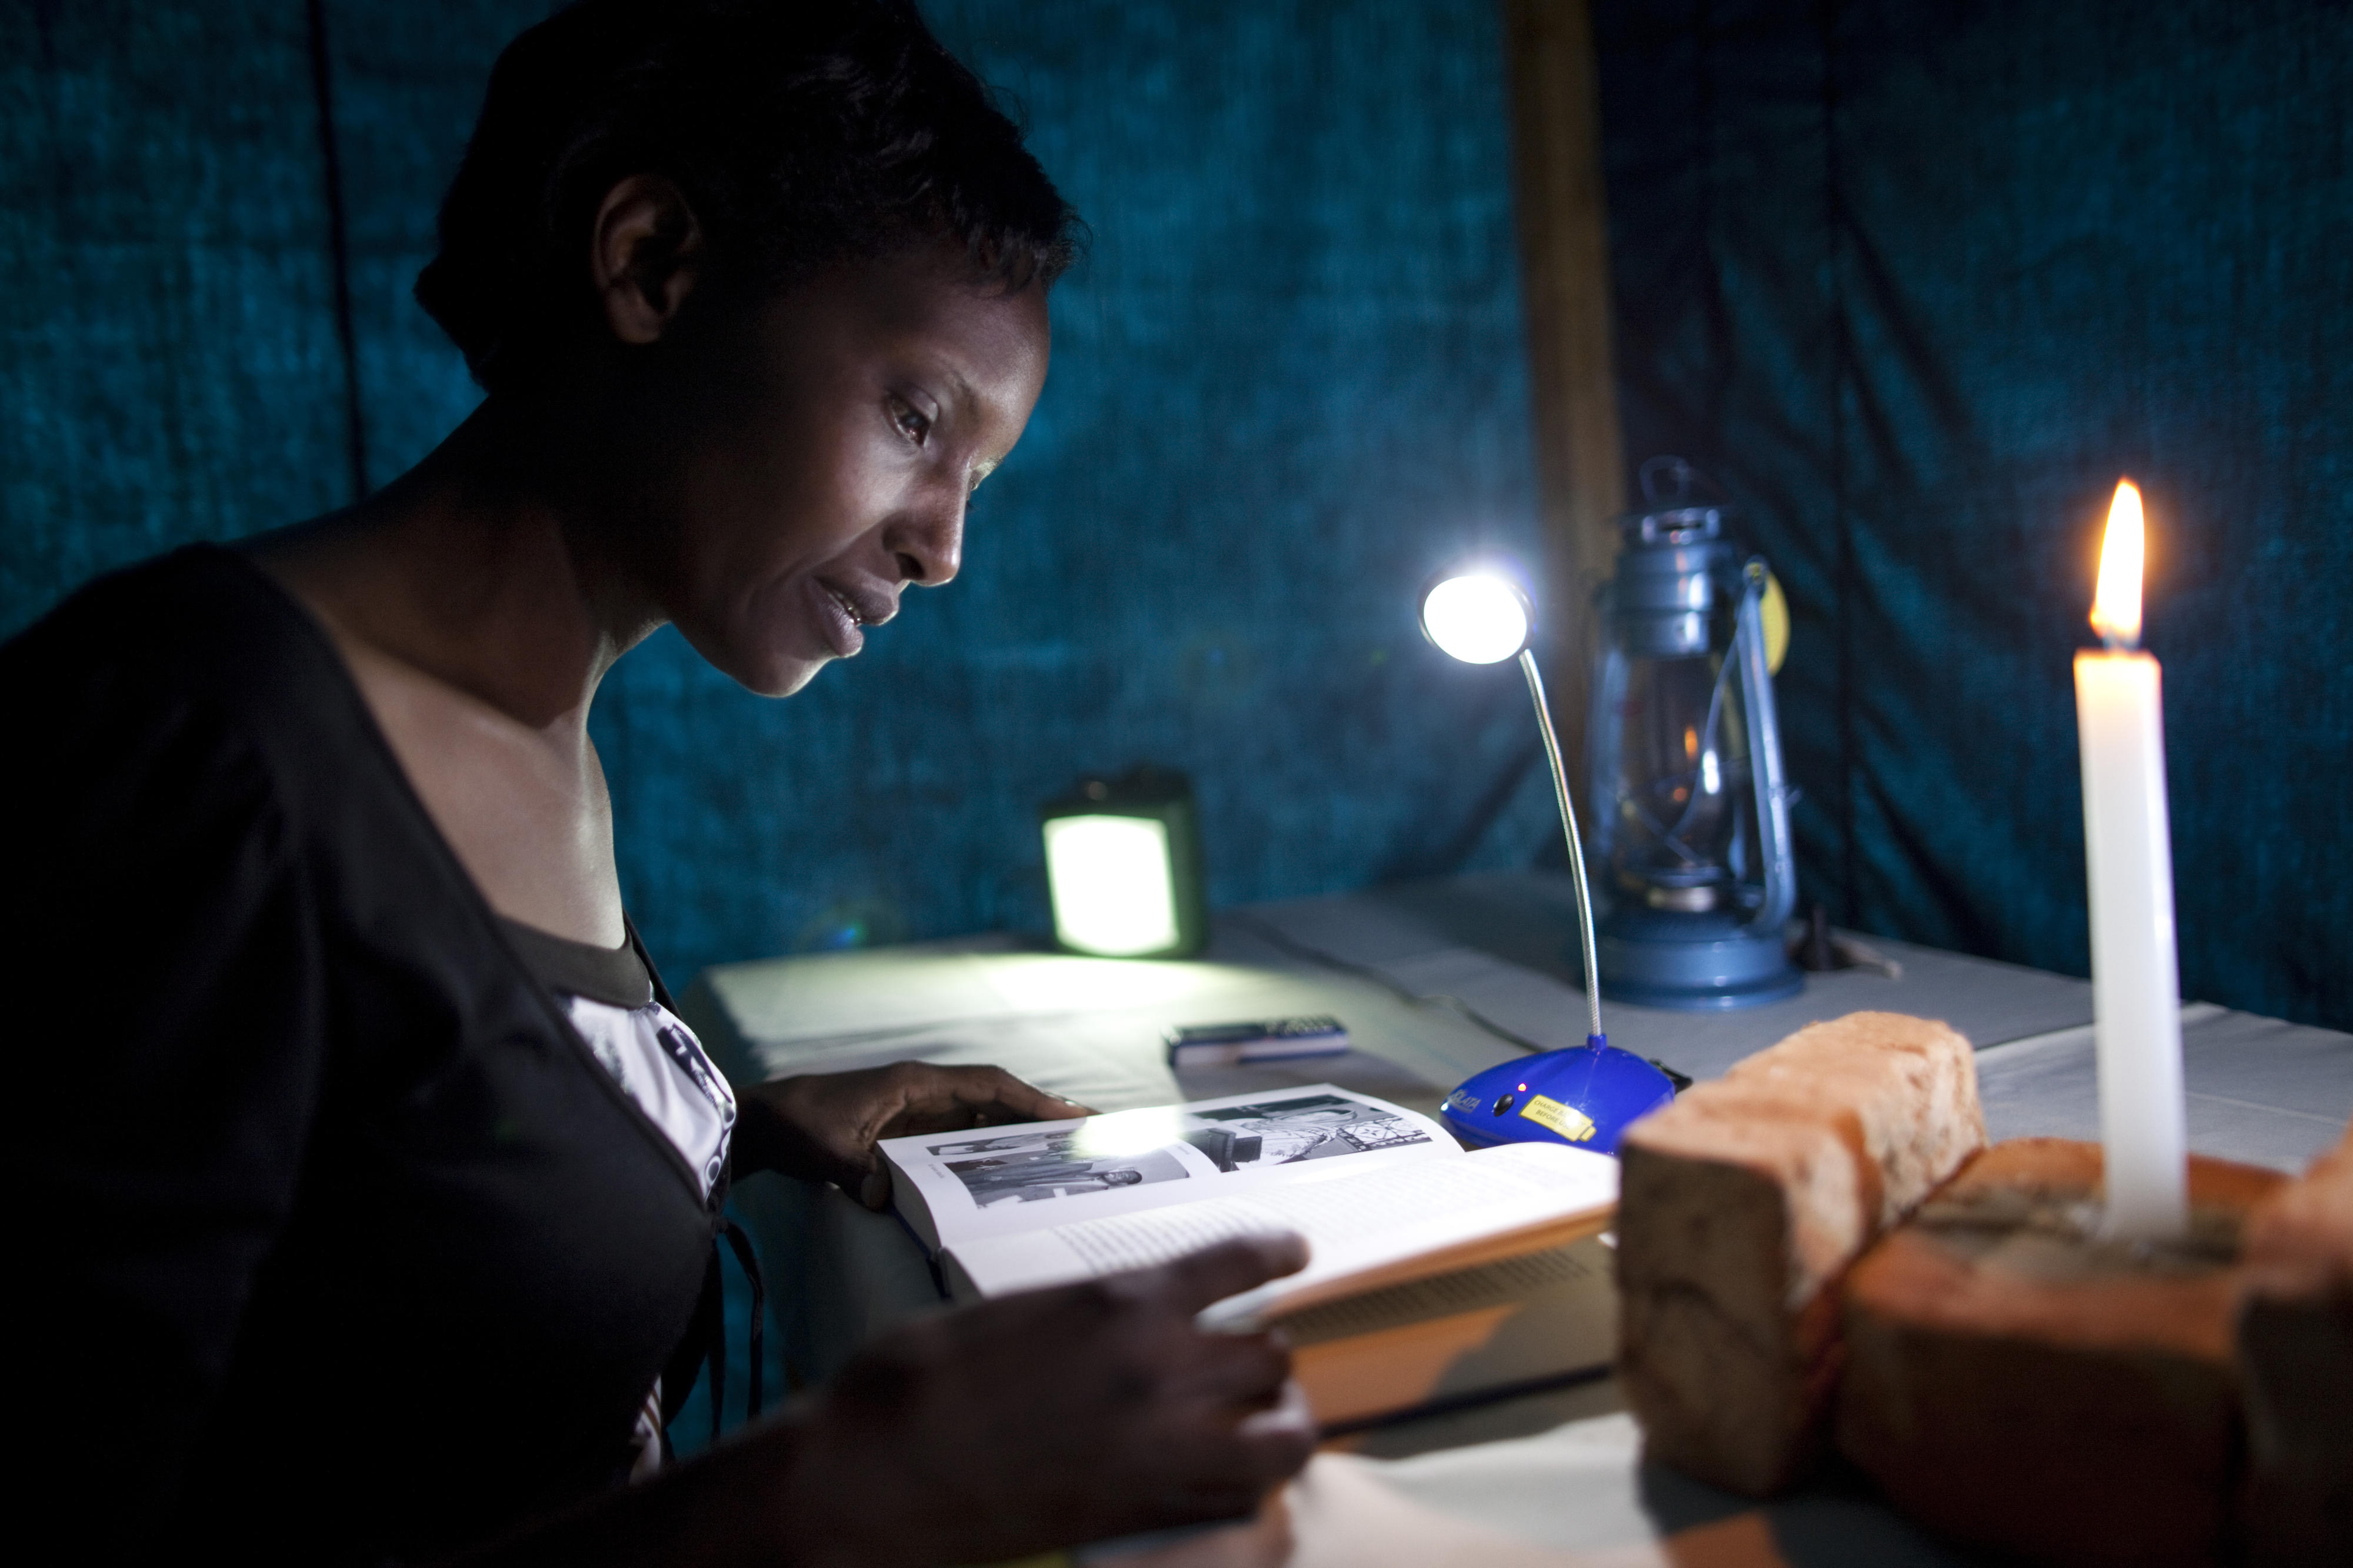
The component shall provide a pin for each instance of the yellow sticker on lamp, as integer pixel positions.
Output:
(1775, 611)
(1554, 1117)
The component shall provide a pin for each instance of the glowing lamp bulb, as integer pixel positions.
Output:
(1479, 619)
(1113, 892)
(2116, 607)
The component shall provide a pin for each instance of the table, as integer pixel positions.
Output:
(1429, 977)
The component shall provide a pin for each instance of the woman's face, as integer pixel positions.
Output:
(817, 451)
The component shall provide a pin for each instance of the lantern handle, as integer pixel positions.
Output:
(1765, 743)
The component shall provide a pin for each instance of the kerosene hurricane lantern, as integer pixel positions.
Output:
(1692, 831)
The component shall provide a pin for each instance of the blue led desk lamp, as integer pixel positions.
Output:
(1586, 1095)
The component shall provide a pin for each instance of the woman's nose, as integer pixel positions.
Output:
(928, 545)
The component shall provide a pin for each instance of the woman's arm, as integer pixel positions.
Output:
(162, 1081)
(992, 1432)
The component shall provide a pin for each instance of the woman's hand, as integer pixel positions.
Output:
(1048, 1419)
(823, 1127)
(1053, 1418)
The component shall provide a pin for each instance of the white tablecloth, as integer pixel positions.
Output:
(1551, 1479)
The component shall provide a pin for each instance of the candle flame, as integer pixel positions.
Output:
(2116, 608)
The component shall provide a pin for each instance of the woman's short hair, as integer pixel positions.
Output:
(804, 134)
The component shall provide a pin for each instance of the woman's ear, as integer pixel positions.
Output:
(646, 249)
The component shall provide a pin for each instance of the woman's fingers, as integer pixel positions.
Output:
(1231, 1268)
(1021, 1101)
(1078, 1413)
(826, 1124)
(1279, 1440)
(929, 1099)
(1240, 1371)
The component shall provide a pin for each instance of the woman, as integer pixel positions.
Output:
(367, 1187)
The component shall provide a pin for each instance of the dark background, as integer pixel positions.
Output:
(1919, 283)
(1916, 282)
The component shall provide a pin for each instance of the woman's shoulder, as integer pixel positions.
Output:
(193, 668)
(200, 628)
(206, 604)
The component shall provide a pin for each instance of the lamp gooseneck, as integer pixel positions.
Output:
(1582, 1096)
(1593, 1036)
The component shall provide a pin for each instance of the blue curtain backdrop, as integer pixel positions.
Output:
(1917, 282)
(1288, 384)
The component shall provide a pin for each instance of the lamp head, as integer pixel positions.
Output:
(1477, 613)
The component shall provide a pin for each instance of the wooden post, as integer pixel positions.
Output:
(1563, 226)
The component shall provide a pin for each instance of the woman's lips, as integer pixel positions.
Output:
(843, 628)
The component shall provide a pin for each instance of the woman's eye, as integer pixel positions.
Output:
(912, 421)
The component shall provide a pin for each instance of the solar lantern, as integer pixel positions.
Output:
(1124, 867)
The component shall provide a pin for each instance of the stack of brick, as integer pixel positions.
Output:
(2295, 1346)
(1741, 1208)
(1820, 1248)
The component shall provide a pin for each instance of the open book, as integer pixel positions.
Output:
(1381, 1196)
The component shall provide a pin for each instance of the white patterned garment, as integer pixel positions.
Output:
(660, 1063)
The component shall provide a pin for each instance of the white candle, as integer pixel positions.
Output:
(2136, 987)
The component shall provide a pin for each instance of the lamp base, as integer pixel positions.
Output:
(1583, 1095)
(1695, 961)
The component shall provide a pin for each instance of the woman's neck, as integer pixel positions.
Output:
(475, 569)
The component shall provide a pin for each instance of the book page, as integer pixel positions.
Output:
(1355, 1224)
(996, 1180)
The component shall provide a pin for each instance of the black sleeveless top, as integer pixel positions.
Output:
(337, 1244)
(617, 976)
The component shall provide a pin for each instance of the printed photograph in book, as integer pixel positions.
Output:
(1103, 1153)
(997, 1180)
(1028, 1177)
(1308, 1126)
